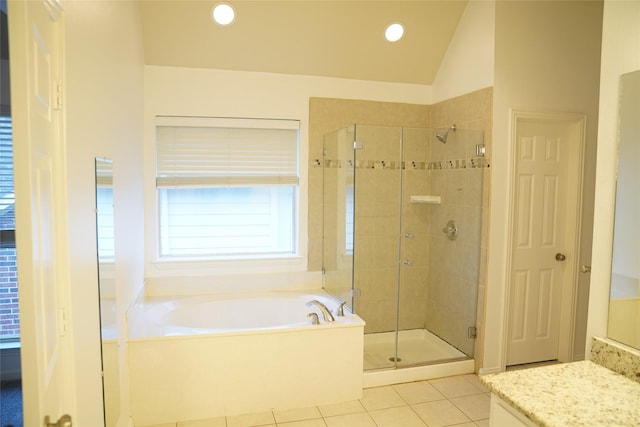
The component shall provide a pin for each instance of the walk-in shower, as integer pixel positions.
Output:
(392, 197)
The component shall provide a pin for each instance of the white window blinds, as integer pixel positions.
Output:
(226, 187)
(7, 197)
(195, 152)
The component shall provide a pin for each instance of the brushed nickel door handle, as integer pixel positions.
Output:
(64, 421)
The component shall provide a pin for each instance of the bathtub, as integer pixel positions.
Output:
(202, 357)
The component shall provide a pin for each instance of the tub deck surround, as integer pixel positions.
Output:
(572, 394)
(268, 360)
(230, 312)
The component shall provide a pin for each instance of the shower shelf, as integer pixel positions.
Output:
(426, 199)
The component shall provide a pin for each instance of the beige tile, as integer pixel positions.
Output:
(475, 407)
(251, 420)
(440, 413)
(162, 425)
(380, 398)
(473, 379)
(402, 416)
(351, 420)
(352, 407)
(454, 387)
(318, 422)
(417, 392)
(298, 414)
(483, 423)
(211, 422)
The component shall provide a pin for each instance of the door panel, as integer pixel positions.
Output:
(36, 56)
(543, 182)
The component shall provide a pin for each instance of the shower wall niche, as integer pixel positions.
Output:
(388, 194)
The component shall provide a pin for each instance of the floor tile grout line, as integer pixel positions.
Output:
(406, 403)
(409, 404)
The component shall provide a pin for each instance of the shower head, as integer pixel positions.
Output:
(443, 137)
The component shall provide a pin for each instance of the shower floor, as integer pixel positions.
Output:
(415, 347)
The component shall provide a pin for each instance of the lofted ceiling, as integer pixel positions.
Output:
(343, 39)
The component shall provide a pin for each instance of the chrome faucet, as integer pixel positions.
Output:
(340, 312)
(328, 317)
(314, 318)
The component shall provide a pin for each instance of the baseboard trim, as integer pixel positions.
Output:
(418, 373)
(489, 371)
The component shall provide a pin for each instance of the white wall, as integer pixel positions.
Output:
(218, 93)
(468, 63)
(104, 84)
(620, 55)
(547, 58)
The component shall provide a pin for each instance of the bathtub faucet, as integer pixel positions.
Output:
(328, 317)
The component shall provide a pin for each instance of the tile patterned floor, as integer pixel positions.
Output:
(452, 401)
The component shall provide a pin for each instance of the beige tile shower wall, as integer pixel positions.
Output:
(378, 208)
(377, 219)
(458, 271)
(383, 216)
(414, 235)
(470, 112)
(328, 115)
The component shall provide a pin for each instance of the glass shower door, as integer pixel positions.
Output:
(389, 194)
(378, 177)
(338, 214)
(455, 261)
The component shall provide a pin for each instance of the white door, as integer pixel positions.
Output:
(35, 29)
(545, 235)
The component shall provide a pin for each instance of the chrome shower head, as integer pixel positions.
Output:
(443, 137)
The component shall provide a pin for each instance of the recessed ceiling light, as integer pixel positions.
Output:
(394, 32)
(223, 14)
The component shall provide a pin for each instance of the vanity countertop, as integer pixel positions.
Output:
(571, 394)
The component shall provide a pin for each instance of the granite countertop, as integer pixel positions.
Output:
(571, 394)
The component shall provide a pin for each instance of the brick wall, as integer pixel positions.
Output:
(9, 314)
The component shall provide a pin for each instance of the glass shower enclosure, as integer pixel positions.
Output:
(402, 225)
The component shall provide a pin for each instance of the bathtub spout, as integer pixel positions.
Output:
(328, 317)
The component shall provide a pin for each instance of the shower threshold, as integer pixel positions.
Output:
(415, 347)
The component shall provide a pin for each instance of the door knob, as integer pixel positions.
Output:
(64, 421)
(560, 257)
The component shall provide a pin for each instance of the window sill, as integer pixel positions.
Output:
(224, 267)
(227, 258)
(6, 344)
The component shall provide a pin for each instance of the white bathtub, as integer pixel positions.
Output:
(208, 356)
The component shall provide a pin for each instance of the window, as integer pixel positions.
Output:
(226, 187)
(9, 311)
(105, 214)
(349, 218)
